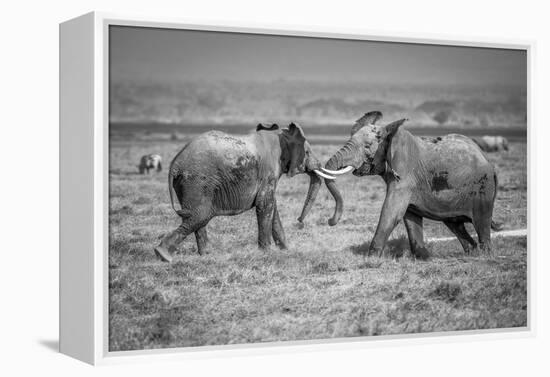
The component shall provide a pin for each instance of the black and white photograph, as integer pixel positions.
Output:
(272, 188)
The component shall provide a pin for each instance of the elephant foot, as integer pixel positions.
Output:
(421, 253)
(281, 245)
(485, 248)
(203, 250)
(470, 249)
(265, 248)
(163, 254)
(375, 251)
(473, 251)
(480, 251)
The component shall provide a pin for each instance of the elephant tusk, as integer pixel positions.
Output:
(345, 170)
(321, 174)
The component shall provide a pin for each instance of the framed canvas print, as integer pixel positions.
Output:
(233, 189)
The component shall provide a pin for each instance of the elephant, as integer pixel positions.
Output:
(446, 179)
(218, 174)
(150, 161)
(492, 143)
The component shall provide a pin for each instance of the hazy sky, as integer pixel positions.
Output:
(162, 54)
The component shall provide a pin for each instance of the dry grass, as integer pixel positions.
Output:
(322, 287)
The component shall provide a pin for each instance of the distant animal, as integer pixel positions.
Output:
(150, 161)
(445, 179)
(492, 143)
(218, 174)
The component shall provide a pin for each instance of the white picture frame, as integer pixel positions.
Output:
(84, 191)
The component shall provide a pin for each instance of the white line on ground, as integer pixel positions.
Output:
(504, 233)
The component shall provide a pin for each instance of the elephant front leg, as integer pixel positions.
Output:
(278, 232)
(394, 208)
(415, 231)
(264, 214)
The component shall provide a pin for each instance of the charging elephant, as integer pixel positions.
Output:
(218, 174)
(445, 179)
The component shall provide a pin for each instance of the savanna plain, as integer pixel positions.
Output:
(323, 286)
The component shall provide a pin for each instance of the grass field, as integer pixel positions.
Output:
(322, 287)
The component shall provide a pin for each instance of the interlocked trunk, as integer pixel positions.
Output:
(346, 156)
(314, 186)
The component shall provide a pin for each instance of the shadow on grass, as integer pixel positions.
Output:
(395, 248)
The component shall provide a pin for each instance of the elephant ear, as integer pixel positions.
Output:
(295, 148)
(384, 136)
(296, 131)
(261, 127)
(369, 118)
(389, 130)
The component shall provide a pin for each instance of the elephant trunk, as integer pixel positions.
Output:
(314, 186)
(344, 157)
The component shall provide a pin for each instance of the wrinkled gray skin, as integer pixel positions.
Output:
(492, 143)
(218, 174)
(445, 179)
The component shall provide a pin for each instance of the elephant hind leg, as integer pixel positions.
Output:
(415, 231)
(170, 242)
(483, 230)
(482, 224)
(202, 240)
(165, 250)
(459, 230)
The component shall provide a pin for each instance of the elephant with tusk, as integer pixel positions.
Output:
(446, 179)
(218, 174)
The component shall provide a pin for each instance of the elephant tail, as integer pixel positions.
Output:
(496, 226)
(179, 212)
(496, 186)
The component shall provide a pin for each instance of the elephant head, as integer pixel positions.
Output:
(297, 157)
(363, 154)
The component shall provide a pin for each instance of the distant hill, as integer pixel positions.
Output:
(337, 134)
(231, 103)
